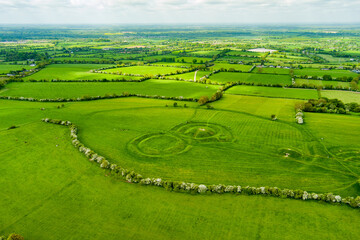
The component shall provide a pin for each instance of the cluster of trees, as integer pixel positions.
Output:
(205, 99)
(179, 186)
(12, 236)
(13, 55)
(325, 105)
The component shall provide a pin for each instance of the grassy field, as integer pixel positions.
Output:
(190, 75)
(238, 67)
(7, 68)
(320, 73)
(73, 72)
(127, 211)
(146, 70)
(299, 81)
(274, 92)
(224, 77)
(272, 70)
(344, 96)
(72, 90)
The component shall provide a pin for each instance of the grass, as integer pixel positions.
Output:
(146, 70)
(345, 96)
(322, 83)
(73, 72)
(7, 68)
(272, 70)
(69, 182)
(74, 89)
(238, 67)
(239, 160)
(190, 75)
(320, 73)
(224, 77)
(274, 92)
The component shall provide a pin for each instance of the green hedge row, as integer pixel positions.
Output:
(91, 98)
(178, 186)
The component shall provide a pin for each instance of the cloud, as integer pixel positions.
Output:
(163, 11)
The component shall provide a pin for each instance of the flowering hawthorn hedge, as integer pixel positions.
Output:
(91, 98)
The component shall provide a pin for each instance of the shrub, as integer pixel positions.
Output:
(12, 127)
(175, 104)
(15, 236)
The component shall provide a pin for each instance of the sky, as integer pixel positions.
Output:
(179, 11)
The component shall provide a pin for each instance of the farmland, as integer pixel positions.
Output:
(73, 72)
(224, 77)
(111, 135)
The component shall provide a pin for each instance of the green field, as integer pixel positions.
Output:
(272, 70)
(224, 77)
(238, 67)
(127, 211)
(322, 83)
(7, 68)
(167, 88)
(320, 73)
(145, 70)
(73, 72)
(274, 92)
(190, 75)
(345, 96)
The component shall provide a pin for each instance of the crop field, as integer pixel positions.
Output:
(73, 72)
(224, 77)
(145, 70)
(274, 92)
(126, 145)
(167, 88)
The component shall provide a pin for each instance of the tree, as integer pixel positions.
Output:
(194, 61)
(203, 100)
(15, 236)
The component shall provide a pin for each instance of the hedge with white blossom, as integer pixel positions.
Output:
(179, 186)
(91, 98)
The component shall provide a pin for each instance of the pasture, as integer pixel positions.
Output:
(54, 90)
(273, 92)
(318, 72)
(224, 77)
(145, 70)
(128, 211)
(73, 72)
(272, 70)
(7, 68)
(299, 81)
(227, 66)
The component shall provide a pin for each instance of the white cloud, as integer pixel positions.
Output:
(163, 11)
